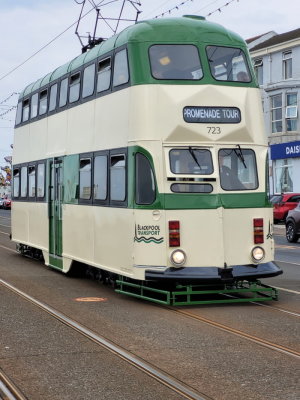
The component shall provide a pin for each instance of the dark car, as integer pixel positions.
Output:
(292, 225)
(283, 203)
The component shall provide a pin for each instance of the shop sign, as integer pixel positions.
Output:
(285, 150)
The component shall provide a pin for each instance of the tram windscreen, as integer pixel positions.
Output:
(238, 169)
(175, 61)
(228, 64)
(191, 161)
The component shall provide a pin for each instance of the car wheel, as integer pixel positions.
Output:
(291, 235)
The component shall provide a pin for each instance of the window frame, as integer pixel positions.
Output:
(171, 78)
(25, 197)
(101, 60)
(90, 96)
(72, 85)
(25, 100)
(246, 64)
(114, 88)
(54, 110)
(18, 119)
(31, 165)
(102, 202)
(229, 151)
(140, 154)
(64, 79)
(272, 108)
(289, 119)
(16, 167)
(287, 65)
(118, 152)
(45, 89)
(258, 66)
(41, 162)
(34, 95)
(85, 156)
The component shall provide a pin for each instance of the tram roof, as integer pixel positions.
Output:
(164, 30)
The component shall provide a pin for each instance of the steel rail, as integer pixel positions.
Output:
(244, 335)
(161, 376)
(8, 391)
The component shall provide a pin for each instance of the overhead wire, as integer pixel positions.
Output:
(46, 45)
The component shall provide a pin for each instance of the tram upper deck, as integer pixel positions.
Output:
(172, 80)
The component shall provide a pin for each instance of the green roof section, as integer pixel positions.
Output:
(189, 28)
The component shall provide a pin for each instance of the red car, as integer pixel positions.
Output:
(6, 204)
(283, 203)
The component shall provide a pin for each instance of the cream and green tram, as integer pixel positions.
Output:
(145, 158)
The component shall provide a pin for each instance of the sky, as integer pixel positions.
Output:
(36, 36)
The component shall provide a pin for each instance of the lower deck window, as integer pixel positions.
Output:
(85, 175)
(238, 169)
(24, 183)
(100, 177)
(16, 182)
(117, 178)
(31, 181)
(145, 184)
(41, 180)
(191, 161)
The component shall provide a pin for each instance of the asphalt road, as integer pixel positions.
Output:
(49, 361)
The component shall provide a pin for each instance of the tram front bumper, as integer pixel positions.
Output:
(215, 274)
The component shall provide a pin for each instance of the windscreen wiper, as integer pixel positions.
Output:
(192, 153)
(240, 155)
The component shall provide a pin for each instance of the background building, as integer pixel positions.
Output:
(276, 61)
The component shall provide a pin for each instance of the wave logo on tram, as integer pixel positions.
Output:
(147, 234)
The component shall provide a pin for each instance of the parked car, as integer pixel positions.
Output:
(282, 204)
(292, 225)
(1, 202)
(6, 204)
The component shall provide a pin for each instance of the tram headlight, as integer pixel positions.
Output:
(258, 254)
(178, 258)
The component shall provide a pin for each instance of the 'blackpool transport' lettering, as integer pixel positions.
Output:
(221, 115)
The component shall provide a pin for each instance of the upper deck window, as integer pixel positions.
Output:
(25, 110)
(34, 105)
(74, 87)
(238, 169)
(88, 85)
(104, 73)
(175, 61)
(228, 64)
(53, 97)
(19, 113)
(63, 93)
(121, 73)
(191, 161)
(43, 102)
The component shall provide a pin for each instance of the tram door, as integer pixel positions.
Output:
(55, 213)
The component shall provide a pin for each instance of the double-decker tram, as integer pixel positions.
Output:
(146, 158)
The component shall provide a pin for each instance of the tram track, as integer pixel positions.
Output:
(8, 390)
(164, 378)
(253, 302)
(236, 332)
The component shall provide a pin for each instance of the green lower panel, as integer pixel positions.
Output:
(240, 292)
(55, 262)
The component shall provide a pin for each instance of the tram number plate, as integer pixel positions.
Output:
(214, 130)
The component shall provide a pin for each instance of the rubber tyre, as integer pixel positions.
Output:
(291, 235)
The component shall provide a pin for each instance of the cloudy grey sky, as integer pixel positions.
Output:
(27, 26)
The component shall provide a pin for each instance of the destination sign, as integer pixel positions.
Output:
(219, 115)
